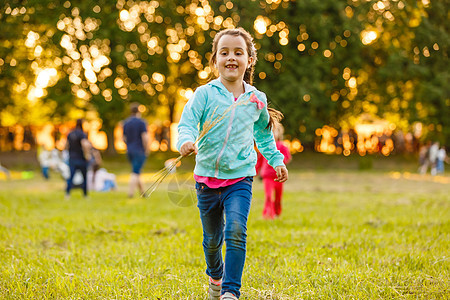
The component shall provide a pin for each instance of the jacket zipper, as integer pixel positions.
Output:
(230, 124)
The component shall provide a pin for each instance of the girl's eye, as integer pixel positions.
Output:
(223, 53)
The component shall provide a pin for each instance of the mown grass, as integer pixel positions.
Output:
(343, 235)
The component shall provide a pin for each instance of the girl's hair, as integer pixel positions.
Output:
(275, 115)
(278, 131)
(251, 50)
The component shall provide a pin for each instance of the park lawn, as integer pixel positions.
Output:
(342, 235)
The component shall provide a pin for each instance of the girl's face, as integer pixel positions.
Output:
(232, 58)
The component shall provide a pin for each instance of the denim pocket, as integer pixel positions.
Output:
(200, 187)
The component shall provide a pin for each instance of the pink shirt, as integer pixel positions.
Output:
(216, 183)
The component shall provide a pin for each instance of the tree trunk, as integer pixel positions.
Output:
(111, 150)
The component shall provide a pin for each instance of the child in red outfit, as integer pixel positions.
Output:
(272, 205)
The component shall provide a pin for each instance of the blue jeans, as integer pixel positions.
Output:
(233, 203)
(45, 172)
(440, 166)
(74, 165)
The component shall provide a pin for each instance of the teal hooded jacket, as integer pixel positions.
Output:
(227, 151)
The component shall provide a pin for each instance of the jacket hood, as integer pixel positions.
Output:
(217, 83)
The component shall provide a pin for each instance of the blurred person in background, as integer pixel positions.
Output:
(44, 158)
(103, 181)
(94, 162)
(423, 157)
(432, 156)
(98, 179)
(273, 189)
(50, 159)
(78, 148)
(135, 137)
(441, 159)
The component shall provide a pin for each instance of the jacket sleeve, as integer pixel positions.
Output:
(259, 162)
(190, 118)
(265, 140)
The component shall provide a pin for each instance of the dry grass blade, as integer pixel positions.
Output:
(207, 126)
(210, 123)
(160, 176)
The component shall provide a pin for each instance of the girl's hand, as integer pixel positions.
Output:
(187, 148)
(282, 174)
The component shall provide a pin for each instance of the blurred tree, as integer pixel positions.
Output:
(320, 62)
(21, 58)
(405, 78)
(105, 65)
(307, 50)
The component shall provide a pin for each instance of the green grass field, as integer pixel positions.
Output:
(343, 234)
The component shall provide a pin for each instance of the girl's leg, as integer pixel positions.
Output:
(440, 166)
(211, 215)
(70, 180)
(45, 172)
(433, 168)
(278, 196)
(268, 196)
(236, 203)
(83, 170)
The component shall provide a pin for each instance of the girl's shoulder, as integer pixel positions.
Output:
(208, 88)
(252, 89)
(202, 89)
(260, 95)
(200, 93)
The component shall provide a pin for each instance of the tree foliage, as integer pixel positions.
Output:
(321, 62)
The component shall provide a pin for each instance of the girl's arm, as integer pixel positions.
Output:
(190, 118)
(282, 174)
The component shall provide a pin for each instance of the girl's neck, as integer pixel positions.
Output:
(235, 87)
